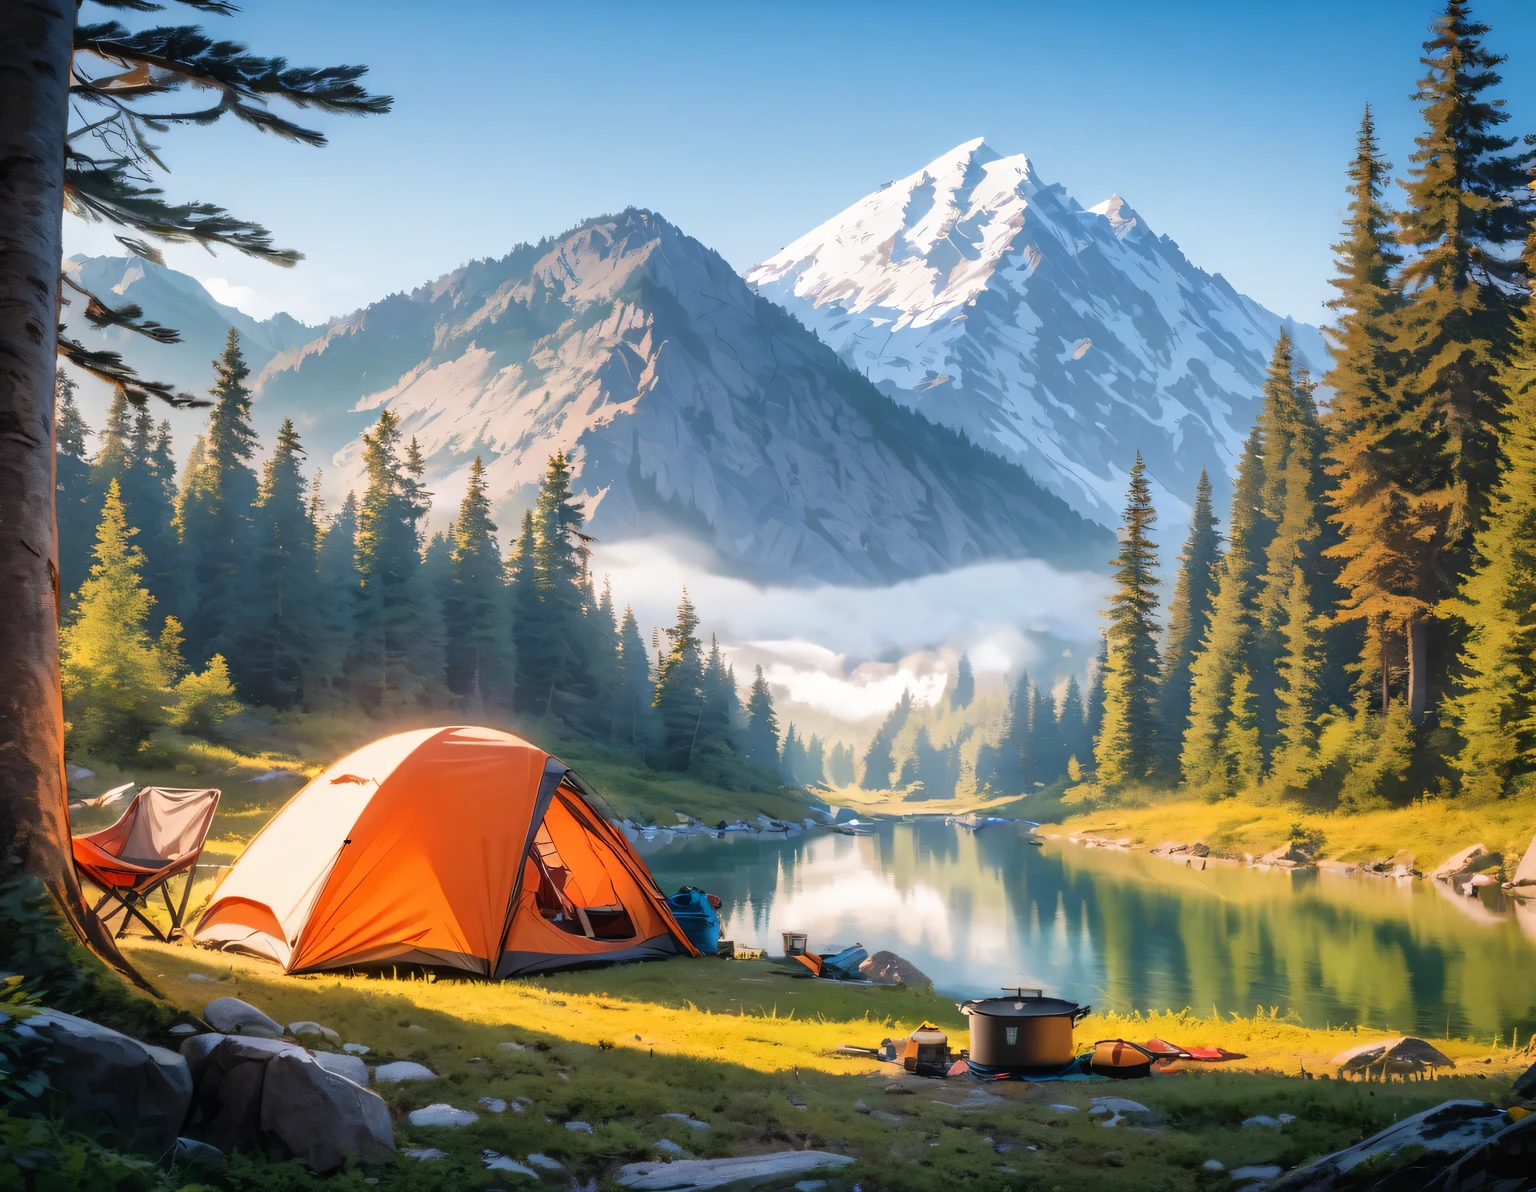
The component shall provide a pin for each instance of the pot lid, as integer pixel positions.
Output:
(1022, 1003)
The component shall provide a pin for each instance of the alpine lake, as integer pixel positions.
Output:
(978, 911)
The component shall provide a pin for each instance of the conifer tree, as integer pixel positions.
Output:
(1188, 619)
(965, 684)
(792, 759)
(1466, 204)
(523, 601)
(1228, 646)
(277, 640)
(337, 582)
(397, 649)
(215, 516)
(553, 649)
(78, 512)
(815, 761)
(634, 682)
(1047, 746)
(879, 759)
(475, 610)
(760, 742)
(149, 498)
(1496, 709)
(1366, 495)
(679, 699)
(1012, 763)
(1126, 748)
(840, 765)
(603, 639)
(114, 677)
(1093, 713)
(1076, 742)
(721, 704)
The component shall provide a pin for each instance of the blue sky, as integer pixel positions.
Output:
(1227, 126)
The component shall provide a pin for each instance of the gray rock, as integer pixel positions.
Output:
(512, 1046)
(443, 1114)
(129, 1094)
(184, 1028)
(196, 1049)
(1065, 1108)
(231, 1016)
(321, 1118)
(1455, 866)
(1117, 1105)
(426, 1153)
(687, 1121)
(1402, 1056)
(667, 1147)
(1261, 1121)
(1525, 1085)
(1213, 1165)
(891, 969)
(348, 1067)
(546, 1162)
(299, 1029)
(495, 1161)
(744, 1171)
(1510, 1155)
(190, 1153)
(579, 1127)
(356, 1048)
(1448, 1129)
(494, 1104)
(1525, 872)
(402, 1070)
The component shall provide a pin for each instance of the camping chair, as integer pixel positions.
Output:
(159, 837)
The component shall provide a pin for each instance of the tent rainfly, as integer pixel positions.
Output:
(458, 848)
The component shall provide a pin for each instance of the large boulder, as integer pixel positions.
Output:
(1447, 1130)
(1402, 1056)
(252, 1092)
(131, 1095)
(1525, 872)
(321, 1118)
(231, 1016)
(348, 1066)
(1525, 1086)
(1459, 865)
(891, 969)
(1504, 1163)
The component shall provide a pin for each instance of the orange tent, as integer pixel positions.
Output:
(463, 848)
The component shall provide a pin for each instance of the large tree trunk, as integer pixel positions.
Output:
(1418, 665)
(35, 51)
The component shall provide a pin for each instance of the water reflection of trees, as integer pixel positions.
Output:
(1126, 930)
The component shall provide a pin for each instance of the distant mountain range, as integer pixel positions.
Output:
(689, 404)
(969, 363)
(1065, 338)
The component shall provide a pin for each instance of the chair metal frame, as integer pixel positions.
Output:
(132, 898)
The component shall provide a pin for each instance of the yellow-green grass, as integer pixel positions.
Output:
(1431, 829)
(737, 1044)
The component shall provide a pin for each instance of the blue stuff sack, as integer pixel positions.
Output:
(700, 923)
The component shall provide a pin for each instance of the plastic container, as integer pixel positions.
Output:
(795, 943)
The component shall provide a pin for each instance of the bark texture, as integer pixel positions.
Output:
(35, 54)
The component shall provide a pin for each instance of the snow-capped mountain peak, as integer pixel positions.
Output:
(1065, 338)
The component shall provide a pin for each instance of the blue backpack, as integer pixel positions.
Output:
(698, 919)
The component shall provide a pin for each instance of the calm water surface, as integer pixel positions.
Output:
(1128, 931)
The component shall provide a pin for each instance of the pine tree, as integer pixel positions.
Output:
(603, 638)
(879, 759)
(722, 706)
(78, 511)
(1047, 747)
(114, 677)
(397, 649)
(792, 759)
(1466, 203)
(215, 516)
(815, 761)
(523, 602)
(1077, 744)
(760, 743)
(338, 583)
(1011, 767)
(128, 457)
(1365, 496)
(1496, 709)
(679, 699)
(1188, 619)
(1093, 714)
(840, 765)
(965, 684)
(1229, 641)
(1126, 748)
(553, 651)
(1242, 752)
(475, 610)
(635, 685)
(277, 640)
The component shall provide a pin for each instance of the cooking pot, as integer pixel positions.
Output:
(1022, 1030)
